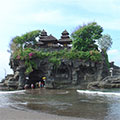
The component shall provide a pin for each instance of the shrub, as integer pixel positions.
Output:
(55, 57)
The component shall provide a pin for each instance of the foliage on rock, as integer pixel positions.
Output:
(25, 40)
(84, 37)
(29, 54)
(83, 47)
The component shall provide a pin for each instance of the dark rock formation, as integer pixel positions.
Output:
(109, 81)
(10, 82)
(75, 73)
(69, 74)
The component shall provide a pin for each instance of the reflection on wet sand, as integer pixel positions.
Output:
(66, 103)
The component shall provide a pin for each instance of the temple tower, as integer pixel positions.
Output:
(65, 39)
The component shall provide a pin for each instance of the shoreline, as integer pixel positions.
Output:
(15, 114)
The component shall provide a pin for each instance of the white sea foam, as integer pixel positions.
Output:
(62, 93)
(98, 93)
(10, 92)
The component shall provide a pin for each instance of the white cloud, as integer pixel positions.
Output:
(100, 6)
(4, 64)
(58, 18)
(23, 12)
(112, 52)
(114, 55)
(48, 17)
(112, 24)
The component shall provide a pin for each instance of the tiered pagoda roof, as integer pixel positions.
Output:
(65, 32)
(65, 39)
(49, 39)
(46, 40)
(43, 34)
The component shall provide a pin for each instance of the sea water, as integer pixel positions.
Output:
(97, 105)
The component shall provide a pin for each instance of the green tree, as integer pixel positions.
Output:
(19, 42)
(84, 37)
(105, 42)
(12, 46)
(30, 37)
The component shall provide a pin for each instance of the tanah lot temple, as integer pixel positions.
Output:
(71, 73)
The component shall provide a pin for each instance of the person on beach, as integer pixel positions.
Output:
(32, 86)
(39, 84)
(26, 86)
(43, 82)
(44, 78)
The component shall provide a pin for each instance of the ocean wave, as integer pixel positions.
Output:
(98, 93)
(62, 93)
(12, 92)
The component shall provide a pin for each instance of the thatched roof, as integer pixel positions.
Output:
(43, 33)
(65, 32)
(49, 39)
(64, 37)
(40, 43)
(65, 41)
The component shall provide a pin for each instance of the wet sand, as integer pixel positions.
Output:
(14, 114)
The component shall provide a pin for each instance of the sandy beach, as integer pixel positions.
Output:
(14, 114)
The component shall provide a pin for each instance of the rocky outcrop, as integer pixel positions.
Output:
(47, 58)
(70, 73)
(109, 81)
(10, 82)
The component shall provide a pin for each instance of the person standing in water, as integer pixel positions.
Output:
(43, 82)
(32, 86)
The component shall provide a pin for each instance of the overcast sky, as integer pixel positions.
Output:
(20, 16)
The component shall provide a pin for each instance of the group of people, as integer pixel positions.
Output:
(39, 84)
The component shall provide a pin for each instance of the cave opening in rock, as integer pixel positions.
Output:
(35, 77)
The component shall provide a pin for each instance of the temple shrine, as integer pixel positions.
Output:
(50, 41)
(65, 39)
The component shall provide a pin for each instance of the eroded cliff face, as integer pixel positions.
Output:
(111, 81)
(69, 74)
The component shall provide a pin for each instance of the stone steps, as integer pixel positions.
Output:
(3, 87)
(116, 72)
